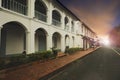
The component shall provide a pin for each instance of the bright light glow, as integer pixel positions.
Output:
(105, 41)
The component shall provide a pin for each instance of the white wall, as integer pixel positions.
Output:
(31, 25)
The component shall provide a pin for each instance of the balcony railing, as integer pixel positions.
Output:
(56, 22)
(14, 6)
(40, 16)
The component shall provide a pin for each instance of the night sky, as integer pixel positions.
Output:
(100, 15)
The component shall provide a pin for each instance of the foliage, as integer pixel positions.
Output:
(72, 50)
(17, 59)
(40, 55)
(12, 60)
(55, 51)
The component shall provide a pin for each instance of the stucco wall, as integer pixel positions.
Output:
(31, 24)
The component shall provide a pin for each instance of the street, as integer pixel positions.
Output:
(102, 64)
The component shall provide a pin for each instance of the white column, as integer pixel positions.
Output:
(0, 3)
(75, 26)
(31, 8)
(49, 14)
(0, 37)
(80, 27)
(81, 42)
(70, 44)
(0, 34)
(30, 42)
(63, 43)
(83, 30)
(70, 24)
(49, 42)
(63, 21)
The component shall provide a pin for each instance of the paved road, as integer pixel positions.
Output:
(102, 64)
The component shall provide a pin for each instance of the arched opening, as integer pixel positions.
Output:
(56, 18)
(19, 6)
(66, 24)
(72, 27)
(13, 39)
(73, 41)
(67, 41)
(56, 39)
(40, 10)
(84, 42)
(40, 40)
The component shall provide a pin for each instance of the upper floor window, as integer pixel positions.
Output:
(72, 27)
(66, 24)
(40, 10)
(19, 6)
(56, 18)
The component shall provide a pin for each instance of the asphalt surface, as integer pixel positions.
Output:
(102, 64)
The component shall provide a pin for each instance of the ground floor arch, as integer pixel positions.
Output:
(73, 41)
(84, 43)
(56, 40)
(40, 40)
(67, 40)
(13, 38)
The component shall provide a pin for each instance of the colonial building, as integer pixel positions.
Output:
(37, 25)
(88, 36)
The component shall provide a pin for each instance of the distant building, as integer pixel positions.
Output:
(37, 25)
(88, 37)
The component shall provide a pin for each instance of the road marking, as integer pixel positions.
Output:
(116, 51)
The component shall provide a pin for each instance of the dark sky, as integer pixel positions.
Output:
(100, 15)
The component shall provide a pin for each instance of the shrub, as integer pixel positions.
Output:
(55, 52)
(12, 60)
(47, 54)
(33, 57)
(2, 62)
(17, 59)
(39, 55)
(73, 50)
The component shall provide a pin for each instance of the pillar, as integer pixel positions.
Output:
(62, 43)
(31, 8)
(63, 21)
(30, 42)
(70, 41)
(0, 40)
(49, 14)
(0, 34)
(0, 3)
(70, 24)
(49, 42)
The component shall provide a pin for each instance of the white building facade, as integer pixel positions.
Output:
(88, 36)
(37, 25)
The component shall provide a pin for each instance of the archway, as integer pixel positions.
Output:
(40, 10)
(56, 40)
(67, 41)
(66, 21)
(40, 40)
(56, 18)
(13, 38)
(72, 27)
(73, 41)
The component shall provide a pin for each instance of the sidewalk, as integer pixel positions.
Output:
(36, 70)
